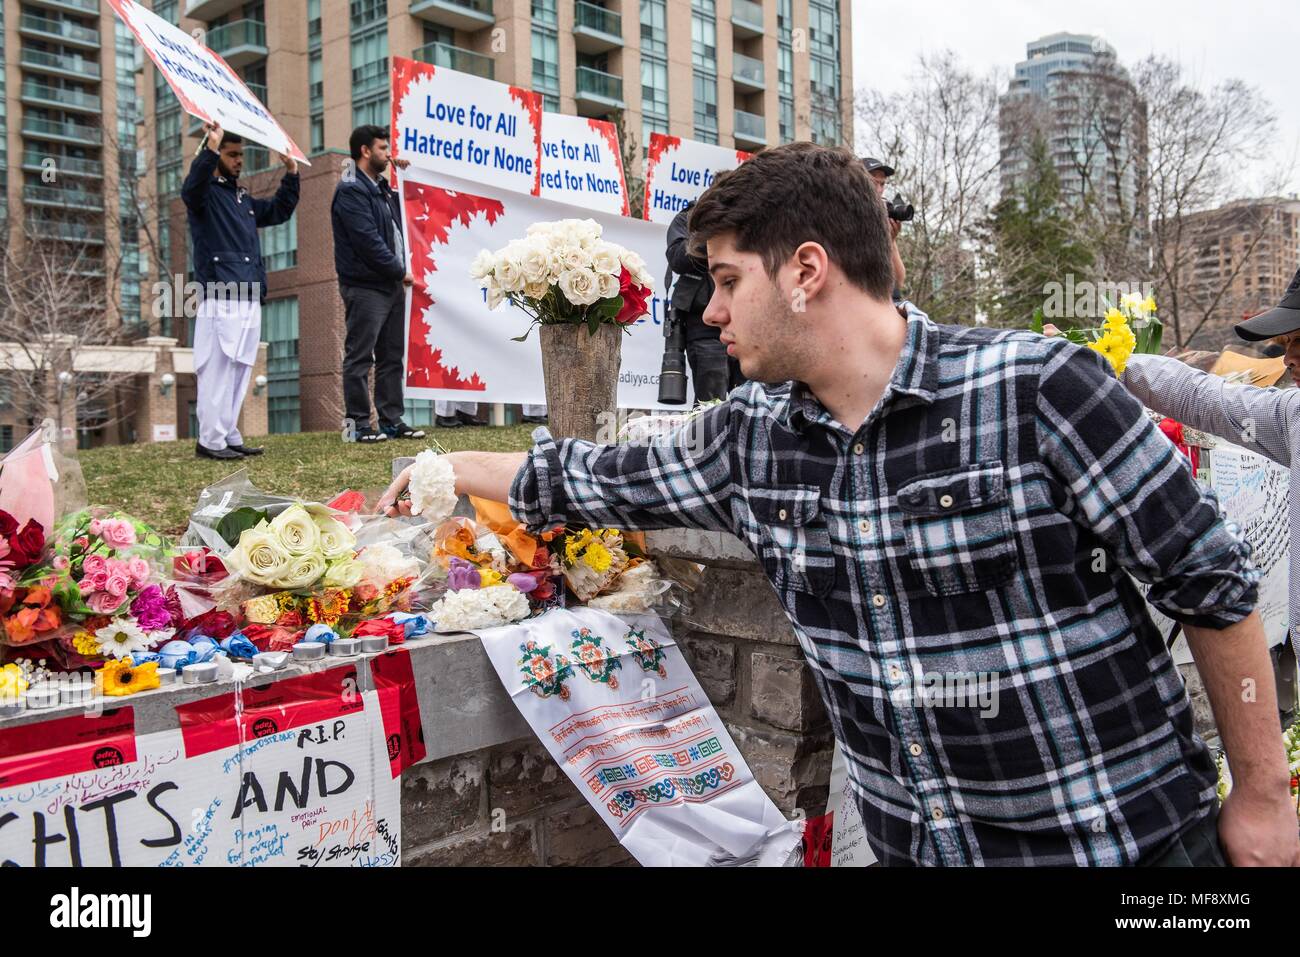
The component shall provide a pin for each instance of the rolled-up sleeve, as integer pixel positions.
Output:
(683, 479)
(1126, 483)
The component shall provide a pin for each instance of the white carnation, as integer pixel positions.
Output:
(579, 286)
(472, 608)
(481, 268)
(382, 563)
(433, 487)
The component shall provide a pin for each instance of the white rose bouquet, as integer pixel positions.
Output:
(295, 550)
(564, 273)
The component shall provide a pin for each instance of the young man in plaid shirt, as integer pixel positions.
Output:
(954, 501)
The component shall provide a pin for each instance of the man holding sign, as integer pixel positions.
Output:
(224, 219)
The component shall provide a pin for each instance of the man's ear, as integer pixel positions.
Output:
(812, 271)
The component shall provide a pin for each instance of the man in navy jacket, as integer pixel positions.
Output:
(224, 219)
(370, 259)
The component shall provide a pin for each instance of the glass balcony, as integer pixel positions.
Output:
(239, 42)
(61, 197)
(456, 58)
(74, 66)
(64, 31)
(598, 92)
(211, 9)
(66, 130)
(68, 6)
(746, 18)
(747, 72)
(370, 78)
(34, 91)
(596, 29)
(69, 232)
(34, 161)
(467, 15)
(751, 129)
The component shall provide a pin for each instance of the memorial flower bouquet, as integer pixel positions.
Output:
(1132, 326)
(565, 273)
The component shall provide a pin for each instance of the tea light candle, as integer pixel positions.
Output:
(309, 651)
(270, 660)
(345, 647)
(11, 705)
(39, 697)
(76, 690)
(199, 674)
(373, 644)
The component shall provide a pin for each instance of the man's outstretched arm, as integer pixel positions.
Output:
(481, 474)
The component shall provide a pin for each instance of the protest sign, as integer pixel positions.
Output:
(295, 772)
(203, 82)
(678, 171)
(467, 126)
(457, 348)
(615, 704)
(582, 164)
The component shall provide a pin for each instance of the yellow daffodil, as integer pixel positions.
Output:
(1149, 306)
(1115, 319)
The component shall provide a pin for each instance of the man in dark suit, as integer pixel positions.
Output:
(370, 259)
(713, 372)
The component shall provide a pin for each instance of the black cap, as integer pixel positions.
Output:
(1276, 322)
(872, 164)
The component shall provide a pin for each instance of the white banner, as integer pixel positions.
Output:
(296, 780)
(678, 171)
(582, 163)
(467, 126)
(457, 348)
(618, 708)
(204, 83)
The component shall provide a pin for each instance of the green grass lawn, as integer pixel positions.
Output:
(159, 483)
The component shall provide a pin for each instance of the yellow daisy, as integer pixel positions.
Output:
(118, 678)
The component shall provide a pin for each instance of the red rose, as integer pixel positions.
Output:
(26, 546)
(215, 624)
(634, 299)
(291, 619)
(8, 524)
(395, 630)
(199, 566)
(349, 501)
(270, 637)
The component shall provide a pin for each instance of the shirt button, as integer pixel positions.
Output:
(945, 501)
(857, 449)
(781, 515)
(245, 259)
(894, 673)
(914, 749)
(878, 601)
(937, 813)
(865, 525)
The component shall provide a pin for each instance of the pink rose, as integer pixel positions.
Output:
(87, 587)
(117, 587)
(94, 564)
(95, 526)
(118, 567)
(99, 581)
(102, 603)
(138, 569)
(117, 533)
(60, 563)
(4, 547)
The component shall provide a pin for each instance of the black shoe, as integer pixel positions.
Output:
(467, 419)
(247, 449)
(534, 419)
(448, 422)
(370, 436)
(402, 431)
(223, 455)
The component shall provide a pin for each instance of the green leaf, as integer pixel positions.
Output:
(235, 523)
(593, 322)
(523, 337)
(1036, 324)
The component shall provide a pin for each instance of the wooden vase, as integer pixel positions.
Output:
(581, 373)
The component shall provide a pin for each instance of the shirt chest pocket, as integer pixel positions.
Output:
(793, 538)
(958, 529)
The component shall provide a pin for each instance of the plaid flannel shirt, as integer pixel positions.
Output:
(979, 526)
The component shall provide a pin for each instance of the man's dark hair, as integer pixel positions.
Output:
(228, 137)
(800, 193)
(365, 136)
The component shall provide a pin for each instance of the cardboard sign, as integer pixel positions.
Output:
(204, 83)
(457, 348)
(582, 164)
(678, 171)
(467, 126)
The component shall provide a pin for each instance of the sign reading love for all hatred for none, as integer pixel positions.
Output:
(582, 164)
(459, 349)
(677, 171)
(466, 126)
(304, 771)
(203, 82)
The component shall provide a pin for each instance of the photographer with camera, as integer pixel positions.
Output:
(899, 213)
(713, 371)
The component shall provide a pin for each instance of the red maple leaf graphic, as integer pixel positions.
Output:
(430, 213)
(659, 144)
(532, 102)
(609, 132)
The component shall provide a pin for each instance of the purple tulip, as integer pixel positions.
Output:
(462, 574)
(523, 581)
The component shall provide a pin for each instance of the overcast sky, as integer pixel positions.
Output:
(1257, 41)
